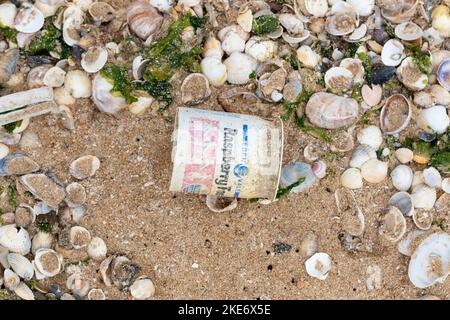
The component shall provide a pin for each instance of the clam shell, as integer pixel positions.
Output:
(214, 70)
(21, 266)
(11, 280)
(392, 224)
(94, 59)
(78, 84)
(441, 20)
(358, 34)
(24, 292)
(138, 67)
(432, 177)
(393, 53)
(54, 77)
(406, 245)
(143, 19)
(363, 7)
(423, 196)
(340, 24)
(35, 78)
(29, 19)
(41, 240)
(433, 119)
(101, 12)
(97, 249)
(374, 171)
(395, 114)
(338, 79)
(396, 12)
(103, 99)
(79, 237)
(411, 76)
(440, 95)
(291, 23)
(320, 169)
(402, 177)
(195, 89)
(96, 294)
(352, 178)
(8, 13)
(355, 67)
(404, 202)
(362, 154)
(84, 167)
(76, 194)
(218, 205)
(142, 289)
(319, 265)
(308, 57)
(330, 111)
(239, 66)
(48, 262)
(430, 262)
(404, 155)
(261, 49)
(15, 239)
(408, 31)
(317, 8)
(423, 218)
(44, 188)
(245, 20)
(343, 141)
(24, 216)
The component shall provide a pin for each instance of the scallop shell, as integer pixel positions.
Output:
(24, 292)
(319, 265)
(142, 289)
(430, 262)
(392, 224)
(195, 89)
(218, 205)
(94, 59)
(239, 67)
(338, 79)
(411, 76)
(402, 177)
(11, 280)
(423, 218)
(404, 202)
(97, 249)
(48, 262)
(423, 196)
(143, 19)
(21, 266)
(432, 177)
(352, 178)
(393, 53)
(395, 115)
(330, 111)
(362, 154)
(374, 171)
(433, 119)
(84, 167)
(29, 19)
(15, 239)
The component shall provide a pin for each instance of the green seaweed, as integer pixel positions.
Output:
(265, 24)
(118, 77)
(12, 196)
(11, 126)
(160, 90)
(320, 133)
(421, 59)
(367, 64)
(8, 33)
(290, 107)
(284, 191)
(44, 226)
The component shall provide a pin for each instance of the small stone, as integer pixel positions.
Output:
(76, 195)
(84, 167)
(280, 247)
(373, 277)
(17, 164)
(44, 188)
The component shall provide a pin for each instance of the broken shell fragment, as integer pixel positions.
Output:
(44, 188)
(261, 49)
(245, 20)
(123, 272)
(395, 115)
(423, 218)
(295, 171)
(406, 245)
(402, 177)
(392, 224)
(84, 167)
(94, 59)
(372, 96)
(319, 265)
(48, 262)
(195, 89)
(142, 289)
(374, 171)
(404, 202)
(11, 280)
(15, 239)
(79, 237)
(77, 284)
(352, 218)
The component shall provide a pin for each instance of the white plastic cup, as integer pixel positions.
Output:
(226, 154)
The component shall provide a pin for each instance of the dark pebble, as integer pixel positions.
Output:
(280, 247)
(381, 74)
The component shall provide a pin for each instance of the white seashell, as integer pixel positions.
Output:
(78, 84)
(94, 59)
(317, 8)
(392, 224)
(395, 114)
(404, 202)
(75, 194)
(24, 216)
(372, 96)
(103, 99)
(358, 34)
(239, 67)
(8, 12)
(434, 119)
(41, 240)
(62, 96)
(214, 70)
(4, 150)
(291, 23)
(423, 218)
(440, 94)
(11, 280)
(405, 246)
(138, 67)
(48, 262)
(371, 136)
(163, 6)
(104, 270)
(374, 171)
(393, 53)
(77, 285)
(441, 20)
(234, 29)
(402, 177)
(417, 179)
(142, 289)
(446, 185)
(41, 207)
(424, 99)
(294, 40)
(410, 75)
(48, 10)
(233, 42)
(355, 67)
(15, 239)
(24, 292)
(97, 249)
(308, 57)
(362, 154)
(293, 172)
(338, 79)
(408, 31)
(143, 19)
(54, 77)
(21, 266)
(363, 7)
(35, 77)
(319, 265)
(432, 177)
(79, 237)
(261, 49)
(430, 262)
(213, 48)
(96, 294)
(404, 155)
(311, 152)
(141, 105)
(29, 19)
(84, 167)
(423, 196)
(352, 178)
(218, 205)
(320, 169)
(340, 24)
(245, 20)
(195, 89)
(4, 256)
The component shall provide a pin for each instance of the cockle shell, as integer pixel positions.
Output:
(352, 178)
(362, 154)
(103, 99)
(232, 41)
(393, 224)
(374, 170)
(404, 202)
(330, 111)
(142, 288)
(29, 19)
(143, 19)
(239, 66)
(423, 196)
(48, 262)
(433, 119)
(214, 70)
(393, 53)
(370, 136)
(395, 115)
(212, 48)
(319, 265)
(21, 266)
(402, 177)
(15, 239)
(41, 240)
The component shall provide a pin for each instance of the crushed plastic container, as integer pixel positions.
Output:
(226, 154)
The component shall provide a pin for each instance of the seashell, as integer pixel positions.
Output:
(96, 294)
(62, 96)
(84, 167)
(352, 178)
(8, 12)
(392, 224)
(373, 277)
(261, 49)
(445, 185)
(8, 218)
(396, 12)
(393, 53)
(11, 280)
(355, 67)
(363, 7)
(24, 292)
(443, 74)
(440, 95)
(24, 216)
(352, 218)
(381, 73)
(374, 170)
(239, 66)
(311, 152)
(430, 262)
(75, 195)
(291, 23)
(195, 89)
(395, 115)
(339, 79)
(104, 270)
(442, 204)
(424, 99)
(340, 24)
(220, 204)
(78, 84)
(402, 177)
(94, 59)
(362, 154)
(123, 272)
(317, 8)
(270, 85)
(245, 20)
(234, 29)
(432, 177)
(213, 48)
(408, 31)
(320, 169)
(293, 87)
(434, 119)
(143, 102)
(17, 164)
(138, 67)
(28, 19)
(232, 42)
(97, 249)
(15, 239)
(330, 111)
(104, 100)
(142, 289)
(54, 77)
(79, 237)
(4, 150)
(77, 285)
(293, 172)
(48, 262)
(214, 70)
(342, 141)
(101, 12)
(308, 57)
(44, 188)
(41, 240)
(8, 64)
(406, 245)
(143, 19)
(358, 34)
(35, 78)
(370, 136)
(47, 9)
(423, 218)
(441, 20)
(404, 202)
(41, 207)
(21, 266)
(4, 255)
(293, 40)
(372, 96)
(423, 196)
(410, 75)
(319, 265)
(308, 245)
